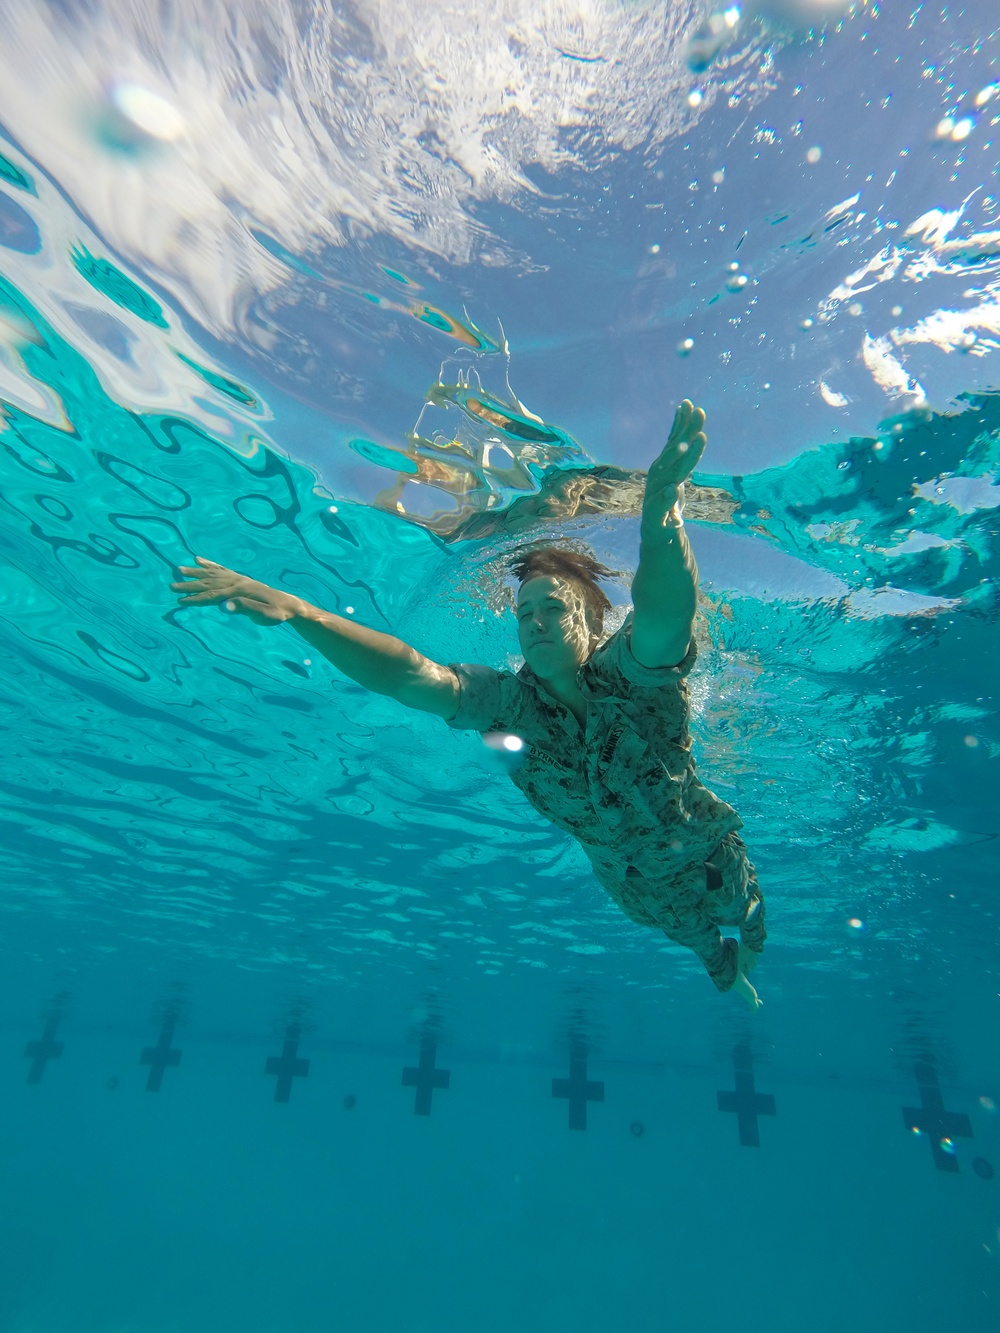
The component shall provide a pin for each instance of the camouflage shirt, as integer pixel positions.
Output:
(623, 783)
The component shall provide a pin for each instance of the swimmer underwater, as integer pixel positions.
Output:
(605, 721)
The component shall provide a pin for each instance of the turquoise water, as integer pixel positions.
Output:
(266, 346)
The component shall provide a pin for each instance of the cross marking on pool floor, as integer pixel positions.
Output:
(425, 1078)
(46, 1048)
(578, 1089)
(161, 1057)
(933, 1120)
(746, 1101)
(288, 1065)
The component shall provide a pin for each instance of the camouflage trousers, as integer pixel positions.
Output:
(690, 910)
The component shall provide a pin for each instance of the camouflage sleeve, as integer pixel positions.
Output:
(615, 657)
(479, 698)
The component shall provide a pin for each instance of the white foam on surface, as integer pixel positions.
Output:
(391, 116)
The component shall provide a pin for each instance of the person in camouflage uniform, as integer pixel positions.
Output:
(603, 723)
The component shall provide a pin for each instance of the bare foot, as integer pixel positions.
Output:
(748, 960)
(742, 987)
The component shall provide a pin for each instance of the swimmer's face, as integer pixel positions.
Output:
(554, 626)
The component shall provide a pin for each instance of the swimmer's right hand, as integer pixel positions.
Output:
(209, 584)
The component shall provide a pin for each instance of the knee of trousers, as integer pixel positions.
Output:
(639, 915)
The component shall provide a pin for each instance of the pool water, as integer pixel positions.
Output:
(308, 1020)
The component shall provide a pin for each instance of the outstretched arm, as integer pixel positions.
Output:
(665, 587)
(379, 662)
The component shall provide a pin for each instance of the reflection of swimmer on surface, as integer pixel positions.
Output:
(602, 490)
(463, 469)
(604, 723)
(530, 451)
(524, 430)
(455, 479)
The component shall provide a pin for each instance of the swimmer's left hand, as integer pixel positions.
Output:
(664, 497)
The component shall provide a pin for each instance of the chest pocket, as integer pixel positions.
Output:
(558, 790)
(627, 773)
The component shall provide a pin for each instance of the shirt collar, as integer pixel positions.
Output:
(583, 676)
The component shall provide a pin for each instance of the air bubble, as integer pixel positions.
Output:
(503, 740)
(507, 750)
(685, 347)
(136, 119)
(813, 155)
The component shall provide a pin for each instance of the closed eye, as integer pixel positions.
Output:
(547, 606)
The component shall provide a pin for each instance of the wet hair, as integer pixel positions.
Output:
(574, 566)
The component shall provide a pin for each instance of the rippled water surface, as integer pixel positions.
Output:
(358, 299)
